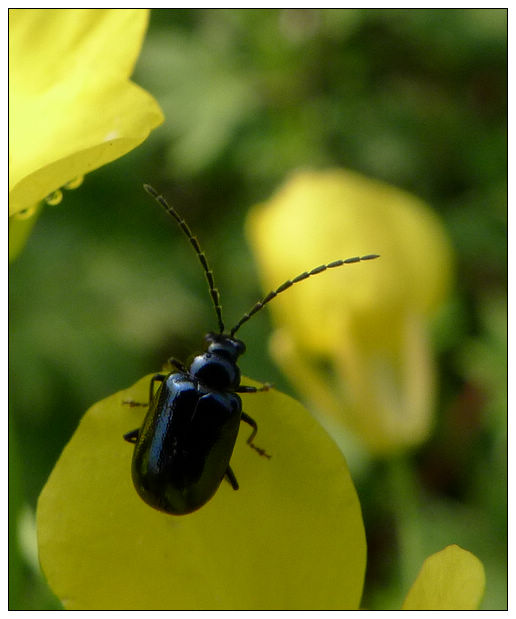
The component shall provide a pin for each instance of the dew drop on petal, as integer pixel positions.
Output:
(74, 183)
(54, 198)
(26, 213)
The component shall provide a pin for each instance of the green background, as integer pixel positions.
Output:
(107, 289)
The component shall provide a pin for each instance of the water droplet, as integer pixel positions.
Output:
(73, 184)
(26, 213)
(54, 198)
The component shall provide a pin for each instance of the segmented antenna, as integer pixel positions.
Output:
(286, 285)
(215, 296)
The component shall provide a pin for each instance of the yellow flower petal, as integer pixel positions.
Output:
(73, 108)
(69, 41)
(291, 538)
(452, 579)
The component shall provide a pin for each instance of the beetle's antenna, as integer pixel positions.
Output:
(286, 285)
(215, 296)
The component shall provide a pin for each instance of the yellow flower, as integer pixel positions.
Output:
(355, 341)
(291, 537)
(72, 105)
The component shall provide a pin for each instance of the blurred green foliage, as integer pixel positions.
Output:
(106, 288)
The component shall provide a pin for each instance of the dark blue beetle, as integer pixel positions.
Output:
(183, 449)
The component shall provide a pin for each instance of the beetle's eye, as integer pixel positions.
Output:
(240, 346)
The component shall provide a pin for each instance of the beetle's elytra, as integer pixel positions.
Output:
(183, 449)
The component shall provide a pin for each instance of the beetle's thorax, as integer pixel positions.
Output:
(217, 367)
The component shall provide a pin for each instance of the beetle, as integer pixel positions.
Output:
(183, 449)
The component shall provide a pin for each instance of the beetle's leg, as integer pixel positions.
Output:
(245, 417)
(249, 389)
(230, 476)
(132, 437)
(155, 378)
(175, 363)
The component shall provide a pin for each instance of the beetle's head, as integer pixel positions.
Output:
(217, 367)
(225, 345)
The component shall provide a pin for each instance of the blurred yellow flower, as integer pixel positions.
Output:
(72, 105)
(452, 579)
(355, 341)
